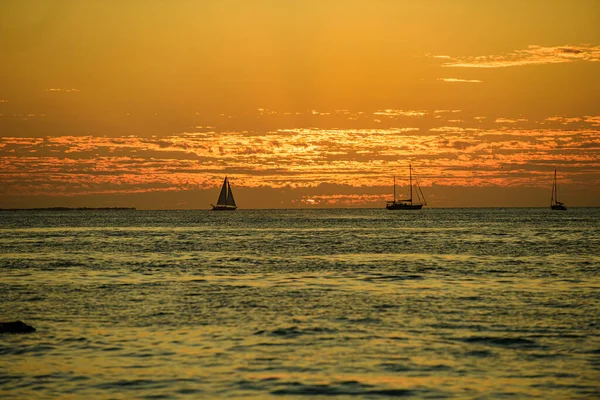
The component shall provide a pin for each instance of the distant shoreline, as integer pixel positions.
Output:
(68, 209)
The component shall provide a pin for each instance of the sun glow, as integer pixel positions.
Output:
(321, 101)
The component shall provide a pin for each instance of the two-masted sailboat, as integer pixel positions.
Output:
(226, 202)
(554, 203)
(410, 203)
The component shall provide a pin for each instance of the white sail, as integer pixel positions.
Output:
(223, 195)
(230, 201)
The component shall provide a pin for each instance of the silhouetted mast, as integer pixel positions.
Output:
(410, 179)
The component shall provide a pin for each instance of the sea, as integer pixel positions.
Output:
(474, 303)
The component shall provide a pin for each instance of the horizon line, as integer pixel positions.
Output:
(60, 208)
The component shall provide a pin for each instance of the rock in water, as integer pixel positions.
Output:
(16, 327)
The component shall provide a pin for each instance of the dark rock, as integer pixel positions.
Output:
(16, 327)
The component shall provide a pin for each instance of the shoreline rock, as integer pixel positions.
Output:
(16, 327)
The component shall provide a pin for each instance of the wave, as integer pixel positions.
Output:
(293, 331)
(501, 341)
(347, 388)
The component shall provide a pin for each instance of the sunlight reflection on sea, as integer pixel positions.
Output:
(310, 303)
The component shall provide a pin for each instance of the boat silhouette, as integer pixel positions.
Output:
(408, 204)
(225, 202)
(554, 203)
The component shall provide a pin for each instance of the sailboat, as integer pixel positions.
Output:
(554, 203)
(408, 204)
(226, 202)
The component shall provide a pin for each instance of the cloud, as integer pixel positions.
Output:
(532, 55)
(295, 158)
(347, 200)
(594, 120)
(266, 111)
(563, 120)
(509, 120)
(406, 113)
(448, 129)
(63, 90)
(460, 80)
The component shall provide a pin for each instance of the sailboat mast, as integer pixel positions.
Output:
(554, 191)
(555, 188)
(394, 188)
(410, 179)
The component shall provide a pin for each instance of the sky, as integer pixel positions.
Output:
(313, 103)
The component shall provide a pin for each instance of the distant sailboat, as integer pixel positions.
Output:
(408, 204)
(554, 203)
(226, 202)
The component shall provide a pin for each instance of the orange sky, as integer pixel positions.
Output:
(302, 104)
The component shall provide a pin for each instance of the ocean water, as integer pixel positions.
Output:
(348, 303)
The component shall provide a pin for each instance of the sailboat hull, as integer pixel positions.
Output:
(558, 207)
(401, 206)
(223, 208)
